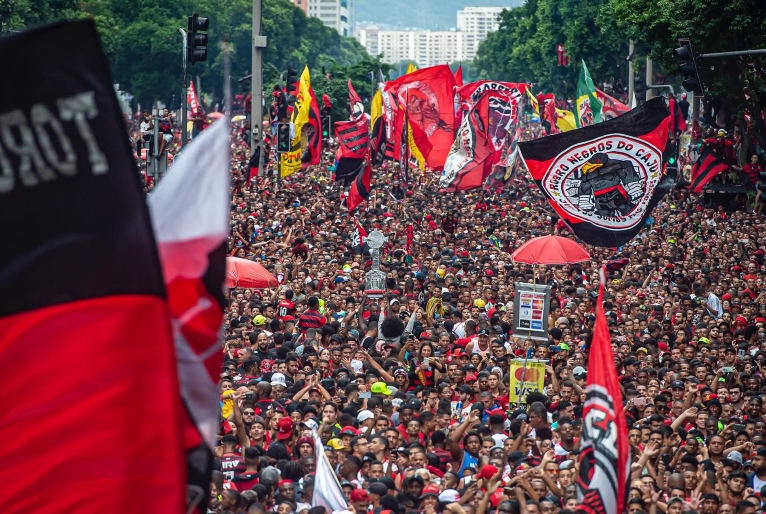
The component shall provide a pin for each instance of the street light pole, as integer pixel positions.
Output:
(631, 75)
(184, 89)
(256, 84)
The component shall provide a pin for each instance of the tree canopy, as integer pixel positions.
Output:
(143, 45)
(523, 49)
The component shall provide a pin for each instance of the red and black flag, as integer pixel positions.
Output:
(81, 277)
(312, 153)
(377, 129)
(604, 476)
(492, 112)
(189, 211)
(354, 139)
(604, 179)
(355, 105)
(252, 164)
(359, 239)
(360, 189)
(677, 121)
(706, 168)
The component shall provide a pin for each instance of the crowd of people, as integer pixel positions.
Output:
(409, 393)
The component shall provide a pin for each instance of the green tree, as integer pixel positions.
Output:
(734, 85)
(142, 43)
(523, 49)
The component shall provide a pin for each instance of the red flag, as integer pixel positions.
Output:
(359, 239)
(356, 107)
(90, 293)
(427, 95)
(604, 477)
(410, 239)
(390, 111)
(548, 113)
(191, 99)
(707, 167)
(611, 107)
(459, 76)
(491, 111)
(360, 189)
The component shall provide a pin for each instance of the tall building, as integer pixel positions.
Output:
(428, 48)
(302, 4)
(336, 14)
(477, 21)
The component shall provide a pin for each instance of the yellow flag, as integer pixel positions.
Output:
(533, 102)
(566, 122)
(376, 108)
(291, 161)
(410, 68)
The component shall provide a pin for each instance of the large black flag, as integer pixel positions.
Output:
(80, 277)
(604, 179)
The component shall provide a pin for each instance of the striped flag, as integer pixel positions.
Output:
(705, 169)
(602, 485)
(189, 211)
(327, 491)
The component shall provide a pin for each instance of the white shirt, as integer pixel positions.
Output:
(714, 303)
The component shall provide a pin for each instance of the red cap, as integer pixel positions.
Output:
(284, 482)
(488, 471)
(285, 429)
(360, 495)
(663, 346)
(760, 320)
(288, 318)
(489, 272)
(348, 430)
(470, 378)
(741, 319)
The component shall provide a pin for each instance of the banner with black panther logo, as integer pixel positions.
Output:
(604, 179)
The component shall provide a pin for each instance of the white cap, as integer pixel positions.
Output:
(364, 416)
(278, 379)
(449, 496)
(310, 424)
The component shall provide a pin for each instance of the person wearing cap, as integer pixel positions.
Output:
(360, 499)
(480, 344)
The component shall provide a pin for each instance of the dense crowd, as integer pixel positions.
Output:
(409, 394)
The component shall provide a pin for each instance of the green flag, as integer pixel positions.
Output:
(588, 105)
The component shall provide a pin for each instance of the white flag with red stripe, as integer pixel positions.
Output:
(190, 215)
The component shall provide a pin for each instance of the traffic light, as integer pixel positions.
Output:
(639, 88)
(292, 85)
(670, 156)
(326, 125)
(283, 137)
(196, 46)
(687, 64)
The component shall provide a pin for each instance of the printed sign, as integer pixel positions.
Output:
(526, 377)
(531, 304)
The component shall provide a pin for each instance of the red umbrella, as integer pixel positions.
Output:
(550, 250)
(245, 273)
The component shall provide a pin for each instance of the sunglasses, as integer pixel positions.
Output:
(249, 413)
